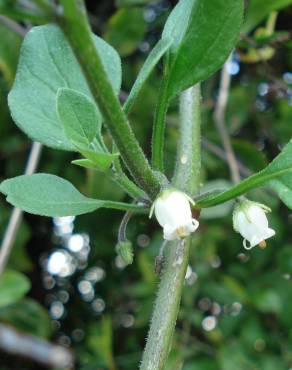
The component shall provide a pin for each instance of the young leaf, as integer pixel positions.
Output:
(204, 33)
(13, 286)
(278, 175)
(97, 160)
(46, 64)
(153, 58)
(50, 195)
(78, 116)
(84, 162)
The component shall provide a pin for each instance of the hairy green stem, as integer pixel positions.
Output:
(188, 162)
(177, 253)
(121, 179)
(75, 25)
(166, 306)
(159, 128)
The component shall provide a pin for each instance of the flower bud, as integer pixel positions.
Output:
(125, 250)
(173, 212)
(250, 220)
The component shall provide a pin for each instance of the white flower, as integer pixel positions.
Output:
(250, 220)
(173, 212)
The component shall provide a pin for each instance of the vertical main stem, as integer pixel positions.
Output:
(166, 306)
(188, 161)
(177, 252)
(76, 28)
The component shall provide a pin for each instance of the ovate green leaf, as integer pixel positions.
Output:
(46, 64)
(204, 33)
(50, 195)
(78, 116)
(47, 195)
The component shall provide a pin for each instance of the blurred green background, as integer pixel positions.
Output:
(64, 281)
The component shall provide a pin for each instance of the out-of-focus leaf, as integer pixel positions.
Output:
(258, 10)
(46, 64)
(234, 353)
(278, 175)
(9, 50)
(13, 287)
(125, 30)
(284, 259)
(29, 316)
(204, 33)
(200, 364)
(100, 341)
(268, 300)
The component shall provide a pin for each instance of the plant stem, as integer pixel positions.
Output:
(159, 128)
(188, 162)
(166, 306)
(177, 253)
(16, 215)
(219, 118)
(122, 180)
(75, 25)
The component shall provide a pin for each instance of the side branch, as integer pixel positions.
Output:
(75, 25)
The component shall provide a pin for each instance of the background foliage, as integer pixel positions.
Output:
(65, 282)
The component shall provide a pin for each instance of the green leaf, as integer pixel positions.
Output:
(46, 64)
(9, 50)
(258, 10)
(125, 30)
(96, 160)
(153, 58)
(29, 316)
(13, 286)
(277, 175)
(204, 33)
(50, 195)
(78, 116)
